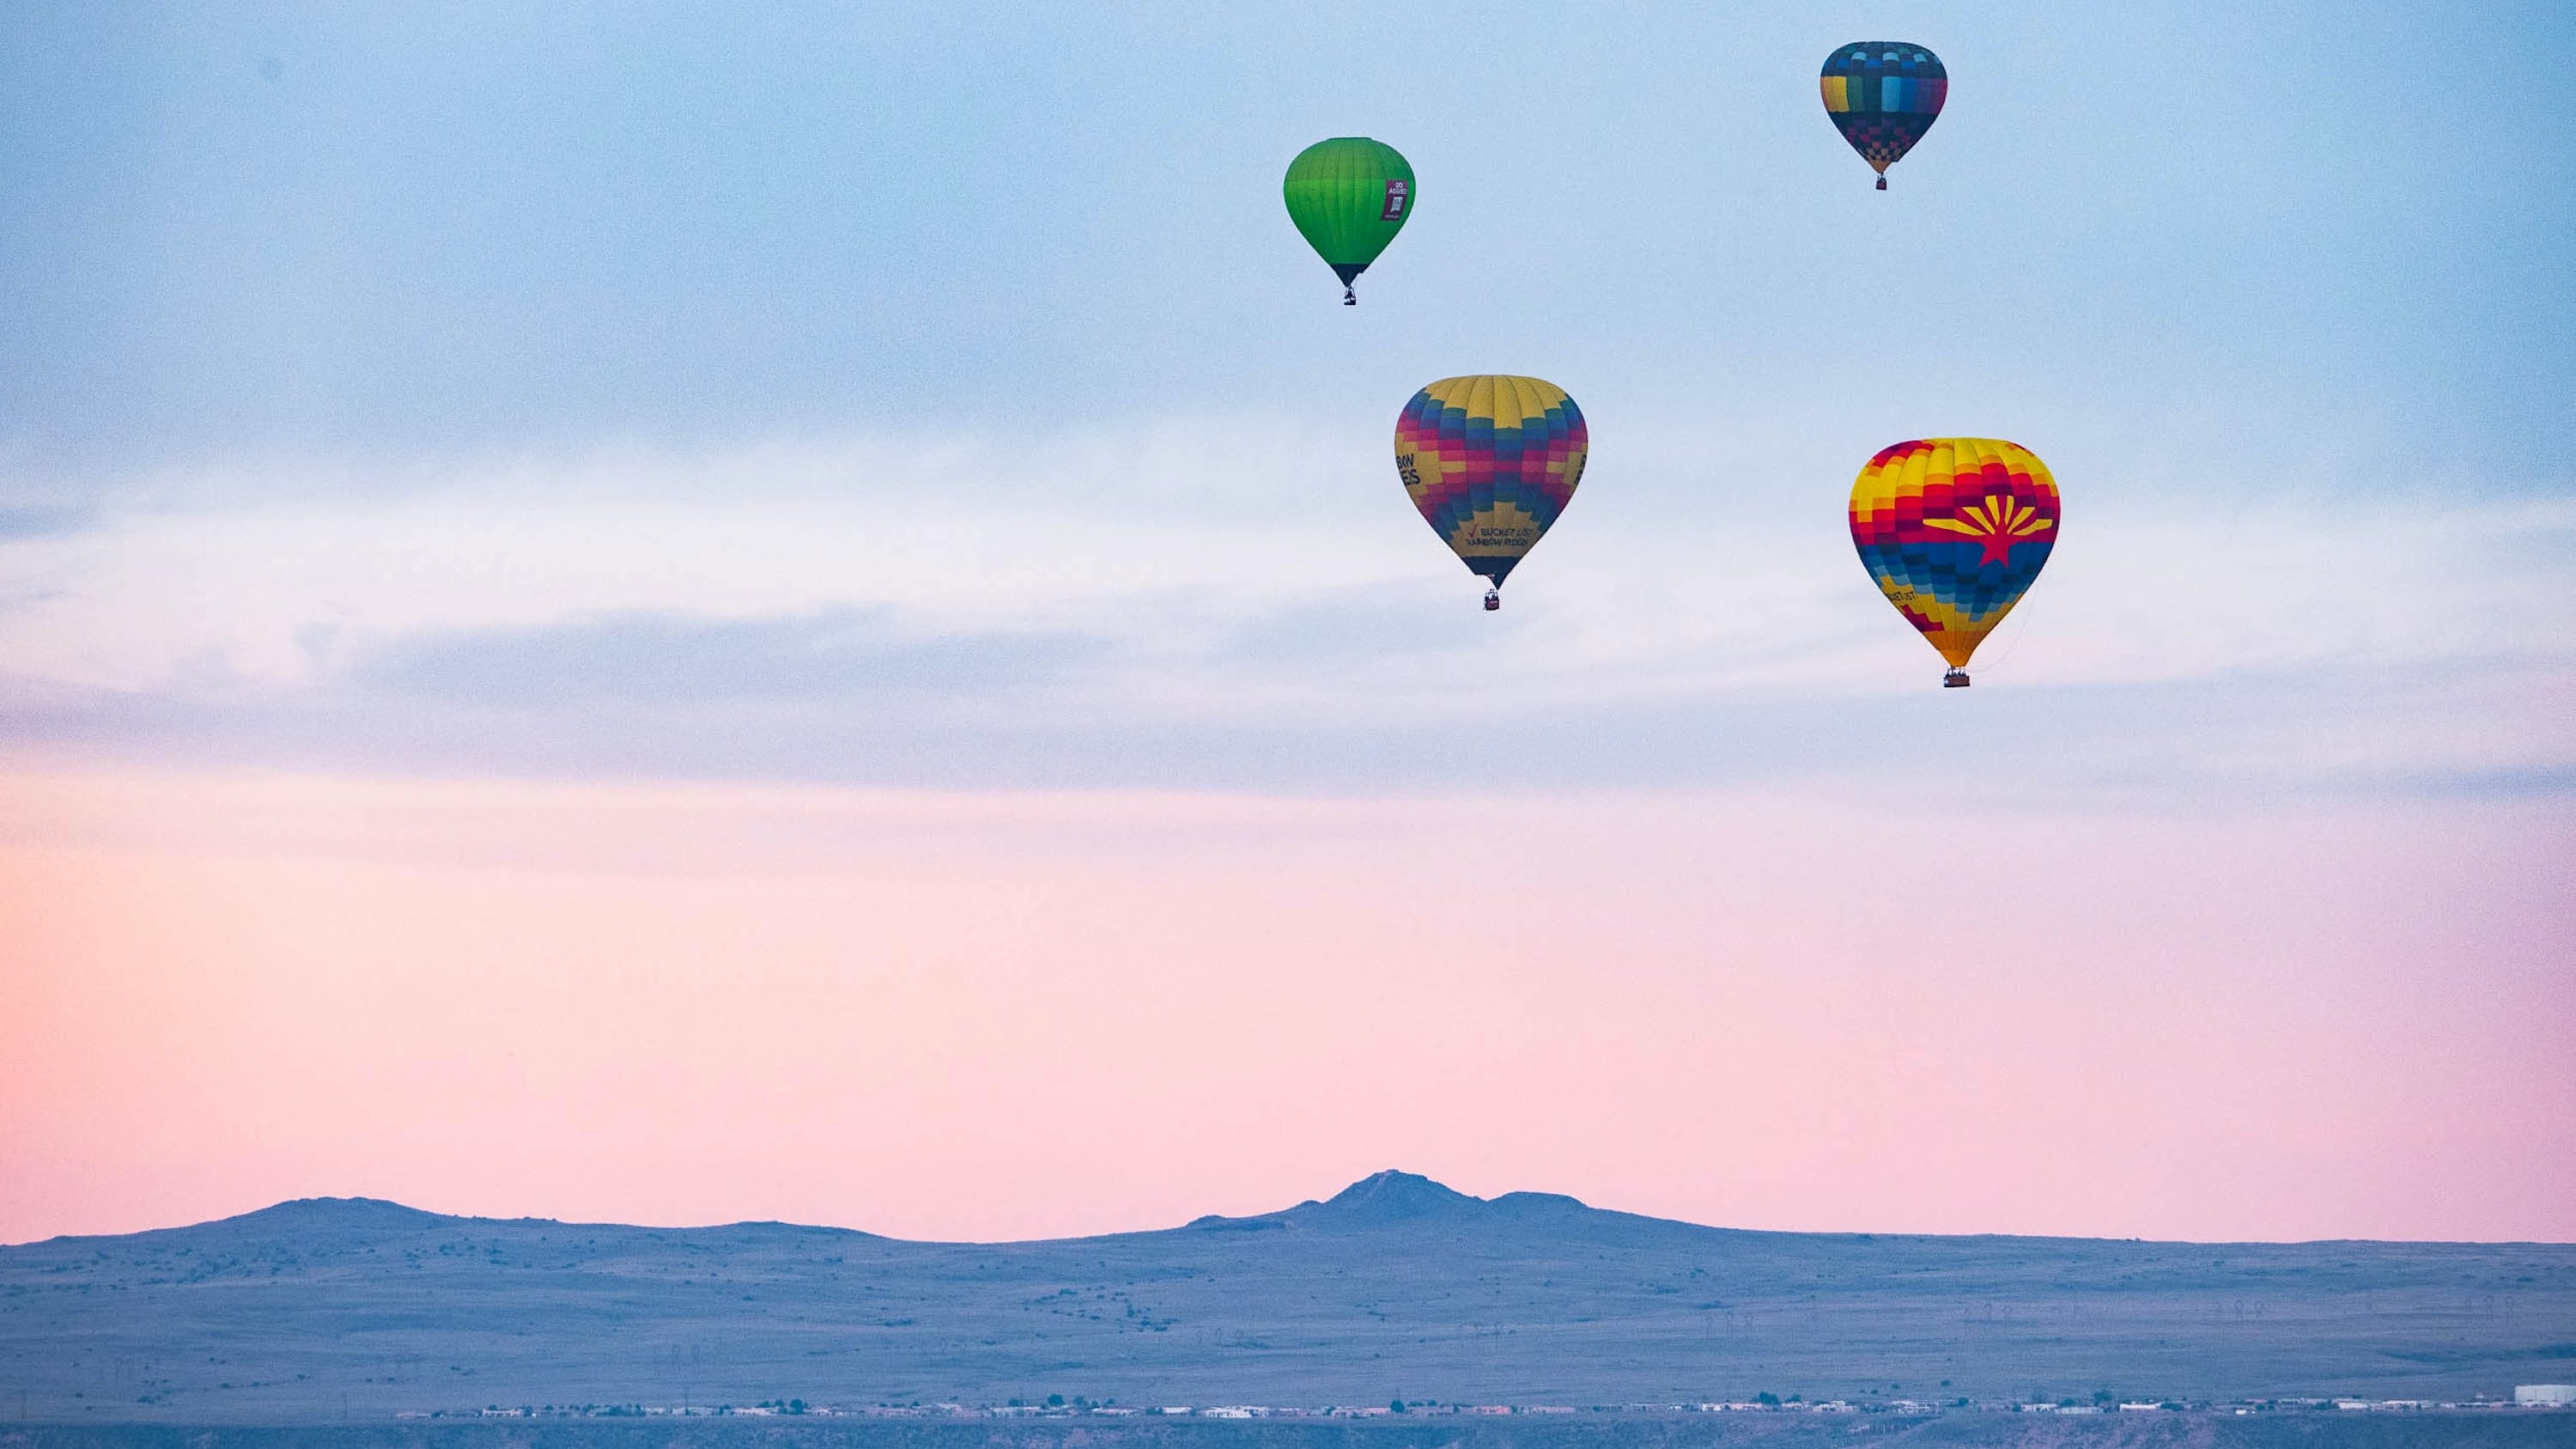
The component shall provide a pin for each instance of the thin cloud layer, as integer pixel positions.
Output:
(1152, 607)
(661, 659)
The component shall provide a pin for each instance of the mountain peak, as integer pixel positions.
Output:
(344, 1208)
(1381, 1199)
(1391, 1195)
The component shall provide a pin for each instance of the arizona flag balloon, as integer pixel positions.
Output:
(1491, 462)
(1349, 197)
(1954, 530)
(1883, 95)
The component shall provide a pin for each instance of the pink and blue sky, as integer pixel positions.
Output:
(689, 617)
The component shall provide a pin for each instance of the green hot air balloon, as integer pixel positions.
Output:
(1349, 196)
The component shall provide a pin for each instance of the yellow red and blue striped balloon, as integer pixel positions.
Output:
(1490, 461)
(1954, 531)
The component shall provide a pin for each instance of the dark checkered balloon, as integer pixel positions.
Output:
(1883, 95)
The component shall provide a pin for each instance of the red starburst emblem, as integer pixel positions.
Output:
(1999, 522)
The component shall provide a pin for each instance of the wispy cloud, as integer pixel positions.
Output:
(1139, 607)
(40, 520)
(662, 659)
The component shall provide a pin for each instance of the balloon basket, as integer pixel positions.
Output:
(1882, 183)
(1493, 600)
(1955, 679)
(1350, 298)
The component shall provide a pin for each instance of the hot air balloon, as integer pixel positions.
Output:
(1491, 462)
(1349, 196)
(1954, 530)
(1883, 95)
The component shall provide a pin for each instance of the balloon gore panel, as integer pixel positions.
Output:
(1490, 462)
(1883, 95)
(1954, 530)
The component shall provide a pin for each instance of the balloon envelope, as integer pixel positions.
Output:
(1954, 530)
(1883, 95)
(1490, 462)
(1349, 197)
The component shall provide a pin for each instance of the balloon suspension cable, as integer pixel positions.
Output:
(1882, 183)
(1955, 679)
(1349, 297)
(1493, 600)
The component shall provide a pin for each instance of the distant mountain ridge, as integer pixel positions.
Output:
(1380, 1200)
(1396, 1286)
(1384, 1198)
